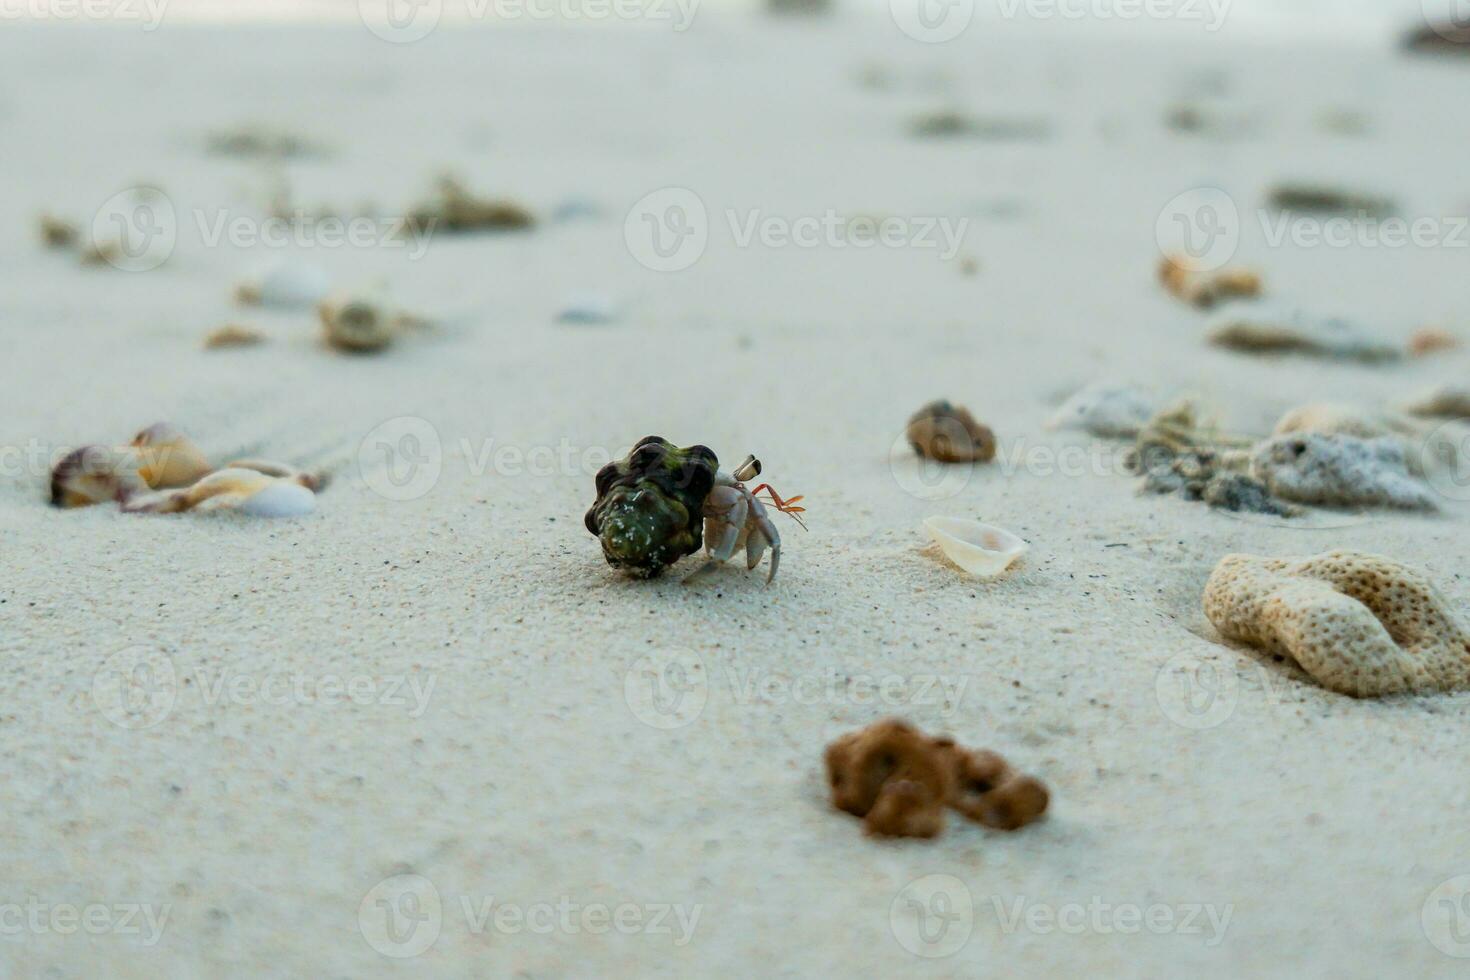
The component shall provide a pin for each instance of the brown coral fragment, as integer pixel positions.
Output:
(233, 335)
(950, 434)
(1359, 624)
(899, 781)
(1204, 289)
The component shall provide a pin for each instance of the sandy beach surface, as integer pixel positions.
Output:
(427, 731)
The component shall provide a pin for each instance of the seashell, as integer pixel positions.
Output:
(1431, 340)
(1105, 409)
(982, 550)
(950, 434)
(590, 309)
(649, 511)
(96, 475)
(1295, 331)
(1183, 279)
(455, 209)
(358, 322)
(57, 233)
(245, 490)
(167, 458)
(1319, 199)
(1447, 401)
(233, 335)
(287, 285)
(1359, 624)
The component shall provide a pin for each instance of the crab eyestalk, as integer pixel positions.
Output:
(649, 511)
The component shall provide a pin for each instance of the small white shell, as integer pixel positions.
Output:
(282, 498)
(287, 286)
(983, 550)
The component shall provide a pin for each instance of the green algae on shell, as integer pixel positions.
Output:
(649, 511)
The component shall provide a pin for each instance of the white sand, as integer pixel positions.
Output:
(1318, 824)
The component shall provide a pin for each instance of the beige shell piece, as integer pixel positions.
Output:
(982, 550)
(168, 458)
(1359, 624)
(248, 491)
(96, 475)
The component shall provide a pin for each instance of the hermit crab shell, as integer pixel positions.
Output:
(983, 550)
(649, 511)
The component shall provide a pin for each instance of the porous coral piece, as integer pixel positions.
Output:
(1359, 624)
(1176, 453)
(1339, 471)
(893, 776)
(950, 434)
(899, 781)
(649, 511)
(1294, 331)
(1204, 288)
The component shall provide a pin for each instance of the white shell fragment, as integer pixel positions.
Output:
(280, 498)
(983, 550)
(285, 286)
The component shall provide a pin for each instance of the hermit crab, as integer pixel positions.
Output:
(661, 502)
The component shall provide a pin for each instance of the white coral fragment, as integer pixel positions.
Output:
(1339, 471)
(1359, 624)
